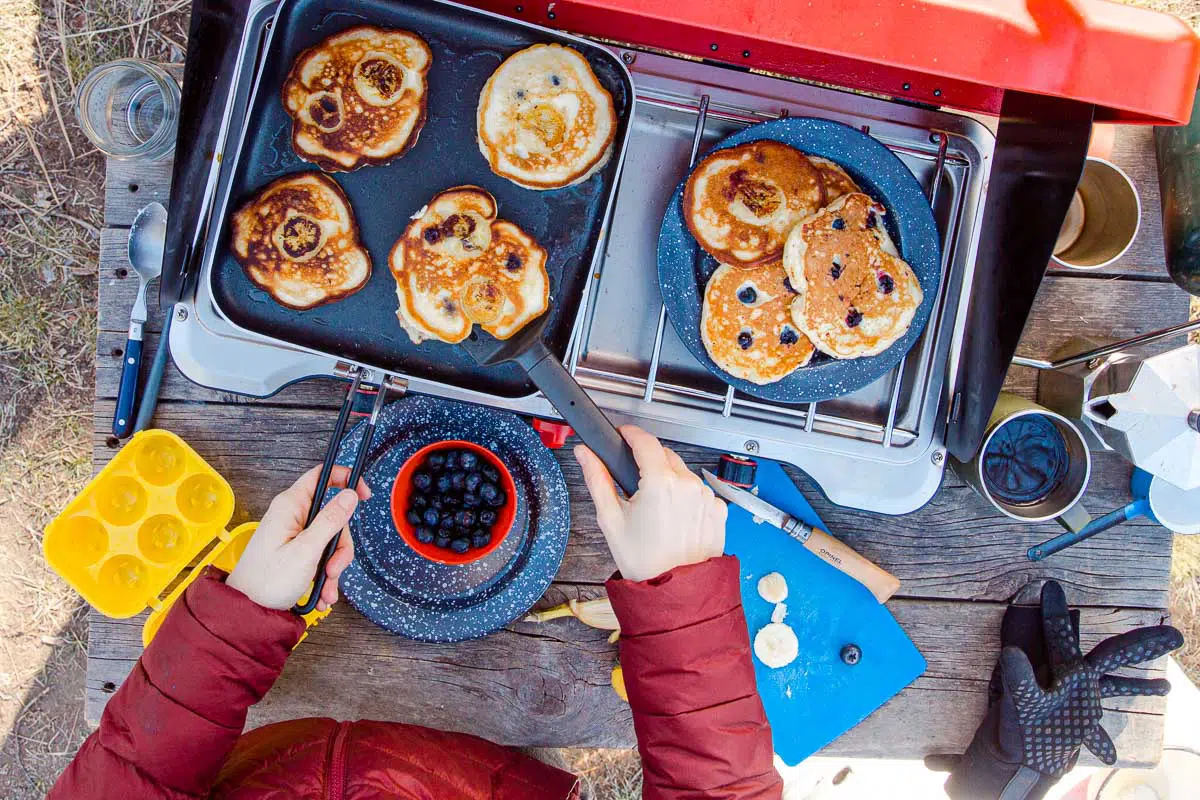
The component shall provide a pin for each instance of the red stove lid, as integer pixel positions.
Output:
(1133, 65)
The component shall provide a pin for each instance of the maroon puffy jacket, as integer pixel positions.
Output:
(174, 729)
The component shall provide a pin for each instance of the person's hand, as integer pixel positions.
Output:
(281, 558)
(673, 519)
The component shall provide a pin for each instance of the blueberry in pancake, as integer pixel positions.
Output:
(358, 97)
(544, 120)
(746, 324)
(856, 296)
(457, 265)
(740, 203)
(297, 240)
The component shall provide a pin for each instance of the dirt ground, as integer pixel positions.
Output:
(51, 204)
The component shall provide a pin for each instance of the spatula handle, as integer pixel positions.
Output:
(879, 581)
(583, 415)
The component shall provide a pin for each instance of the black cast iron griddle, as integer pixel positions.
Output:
(468, 45)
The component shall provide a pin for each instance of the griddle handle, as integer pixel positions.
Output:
(582, 414)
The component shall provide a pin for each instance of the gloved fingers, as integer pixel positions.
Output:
(1134, 647)
(1114, 686)
(1019, 681)
(1062, 644)
(942, 762)
(1102, 747)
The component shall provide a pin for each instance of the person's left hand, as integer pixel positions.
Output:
(281, 558)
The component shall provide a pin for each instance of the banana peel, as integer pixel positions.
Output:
(618, 683)
(596, 613)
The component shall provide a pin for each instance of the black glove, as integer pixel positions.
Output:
(1033, 730)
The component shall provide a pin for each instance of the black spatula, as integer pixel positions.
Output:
(528, 351)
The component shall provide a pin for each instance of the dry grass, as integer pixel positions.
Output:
(51, 209)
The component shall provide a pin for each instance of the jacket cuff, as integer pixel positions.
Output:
(676, 599)
(983, 772)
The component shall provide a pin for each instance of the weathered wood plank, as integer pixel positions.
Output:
(130, 185)
(548, 684)
(956, 547)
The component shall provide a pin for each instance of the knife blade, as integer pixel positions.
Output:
(838, 555)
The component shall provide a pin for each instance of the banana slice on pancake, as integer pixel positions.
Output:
(836, 180)
(856, 295)
(297, 240)
(741, 202)
(358, 97)
(746, 323)
(544, 119)
(457, 265)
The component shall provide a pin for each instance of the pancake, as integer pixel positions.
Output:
(544, 120)
(746, 323)
(456, 265)
(358, 97)
(836, 180)
(741, 202)
(856, 295)
(297, 240)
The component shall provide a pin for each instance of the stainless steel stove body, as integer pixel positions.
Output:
(879, 449)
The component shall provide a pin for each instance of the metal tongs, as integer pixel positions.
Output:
(360, 462)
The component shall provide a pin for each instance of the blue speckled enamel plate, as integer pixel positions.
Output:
(684, 269)
(401, 591)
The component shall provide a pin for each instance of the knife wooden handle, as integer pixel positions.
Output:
(879, 581)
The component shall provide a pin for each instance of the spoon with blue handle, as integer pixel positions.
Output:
(146, 238)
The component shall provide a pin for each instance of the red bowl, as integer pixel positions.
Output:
(402, 488)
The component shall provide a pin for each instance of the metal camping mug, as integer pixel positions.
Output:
(1033, 464)
(1102, 220)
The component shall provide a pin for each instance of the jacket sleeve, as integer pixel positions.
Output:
(685, 652)
(171, 725)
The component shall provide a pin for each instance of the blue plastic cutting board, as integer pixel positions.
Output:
(817, 697)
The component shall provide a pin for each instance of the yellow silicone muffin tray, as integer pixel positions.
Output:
(131, 531)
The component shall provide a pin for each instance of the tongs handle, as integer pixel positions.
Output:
(318, 499)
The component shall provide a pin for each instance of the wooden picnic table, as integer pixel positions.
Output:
(548, 685)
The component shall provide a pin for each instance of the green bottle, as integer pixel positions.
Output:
(1178, 152)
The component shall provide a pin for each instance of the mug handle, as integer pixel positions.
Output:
(1075, 518)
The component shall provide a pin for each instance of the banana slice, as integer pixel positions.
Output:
(776, 645)
(779, 612)
(773, 588)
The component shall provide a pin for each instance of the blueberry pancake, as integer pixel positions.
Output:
(740, 203)
(544, 120)
(837, 181)
(358, 97)
(746, 325)
(457, 265)
(856, 295)
(297, 240)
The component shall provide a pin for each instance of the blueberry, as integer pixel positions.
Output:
(443, 483)
(435, 462)
(468, 460)
(744, 340)
(460, 545)
(872, 220)
(414, 517)
(418, 501)
(480, 539)
(513, 262)
(488, 492)
(501, 499)
(470, 500)
(788, 336)
(451, 459)
(520, 94)
(787, 284)
(886, 284)
(853, 318)
(422, 481)
(838, 223)
(747, 295)
(465, 519)
(424, 534)
(555, 80)
(442, 541)
(436, 502)
(429, 516)
(835, 271)
(458, 479)
(487, 518)
(473, 481)
(489, 473)
(433, 234)
(446, 524)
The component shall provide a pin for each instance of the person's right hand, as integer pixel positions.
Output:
(673, 519)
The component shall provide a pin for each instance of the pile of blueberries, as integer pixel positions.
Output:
(454, 500)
